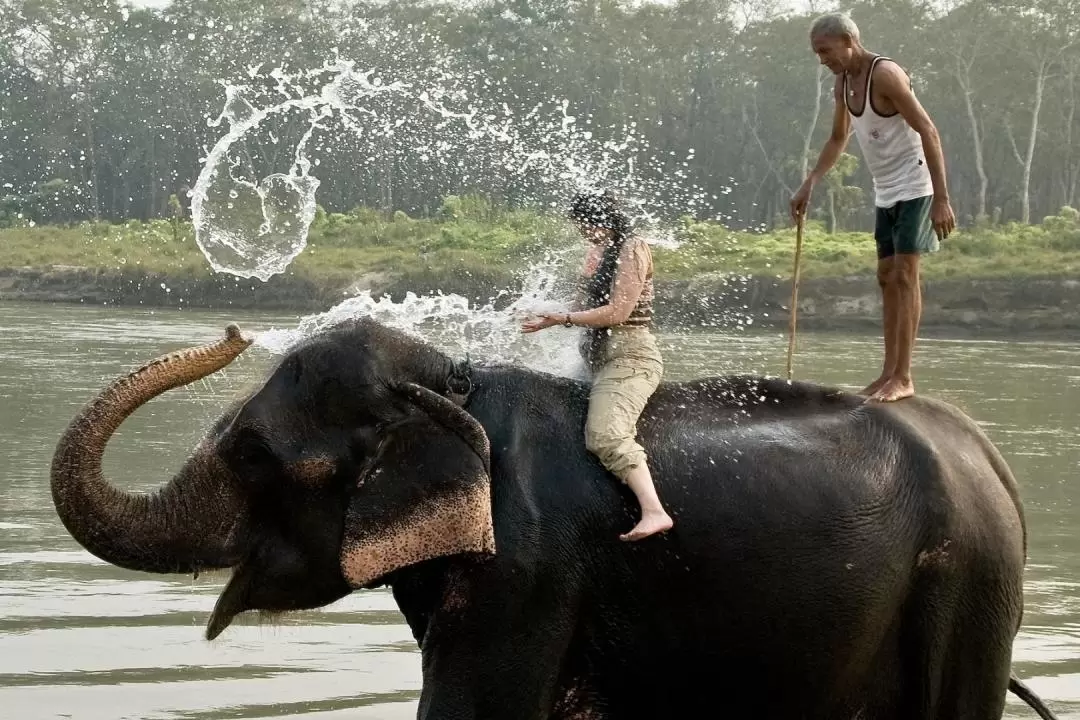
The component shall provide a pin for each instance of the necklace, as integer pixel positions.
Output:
(851, 82)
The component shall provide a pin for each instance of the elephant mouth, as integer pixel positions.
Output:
(282, 583)
(232, 601)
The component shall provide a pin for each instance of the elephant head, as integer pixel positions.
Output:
(342, 468)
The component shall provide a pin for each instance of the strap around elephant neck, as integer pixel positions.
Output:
(459, 382)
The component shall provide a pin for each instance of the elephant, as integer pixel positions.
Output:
(831, 559)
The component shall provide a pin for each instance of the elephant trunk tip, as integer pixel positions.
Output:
(232, 332)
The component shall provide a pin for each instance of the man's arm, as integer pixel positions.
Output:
(838, 139)
(895, 87)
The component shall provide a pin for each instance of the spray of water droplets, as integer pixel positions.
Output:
(447, 320)
(442, 128)
(252, 214)
(255, 227)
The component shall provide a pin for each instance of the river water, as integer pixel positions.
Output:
(81, 639)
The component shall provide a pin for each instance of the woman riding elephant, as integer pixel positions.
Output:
(620, 350)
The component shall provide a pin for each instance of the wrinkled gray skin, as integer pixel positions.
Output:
(830, 560)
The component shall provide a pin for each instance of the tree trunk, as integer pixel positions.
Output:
(386, 185)
(1072, 169)
(963, 75)
(1040, 83)
(150, 171)
(804, 167)
(92, 156)
(1028, 156)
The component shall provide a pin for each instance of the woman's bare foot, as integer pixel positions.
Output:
(654, 519)
(650, 524)
(894, 389)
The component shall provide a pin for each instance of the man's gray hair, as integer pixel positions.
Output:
(835, 25)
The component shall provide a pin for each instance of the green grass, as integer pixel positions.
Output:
(1051, 248)
(475, 237)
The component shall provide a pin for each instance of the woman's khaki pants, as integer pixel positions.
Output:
(630, 369)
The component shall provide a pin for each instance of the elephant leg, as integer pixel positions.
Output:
(497, 659)
(926, 644)
(957, 659)
(976, 679)
(500, 676)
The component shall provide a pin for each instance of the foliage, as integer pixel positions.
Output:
(114, 100)
(342, 247)
(55, 201)
(843, 199)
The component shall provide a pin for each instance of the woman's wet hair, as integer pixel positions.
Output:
(601, 210)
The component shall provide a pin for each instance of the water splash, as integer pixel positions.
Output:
(446, 125)
(485, 333)
(257, 228)
(252, 216)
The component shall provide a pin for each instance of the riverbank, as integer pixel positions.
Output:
(1000, 307)
(1004, 281)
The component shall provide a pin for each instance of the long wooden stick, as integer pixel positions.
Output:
(794, 292)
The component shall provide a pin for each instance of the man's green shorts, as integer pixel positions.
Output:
(905, 228)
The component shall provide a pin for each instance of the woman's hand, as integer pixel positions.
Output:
(541, 321)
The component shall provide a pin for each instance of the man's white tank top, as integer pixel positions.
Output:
(892, 150)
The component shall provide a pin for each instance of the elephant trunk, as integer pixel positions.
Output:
(185, 526)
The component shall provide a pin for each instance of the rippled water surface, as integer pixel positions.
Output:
(81, 639)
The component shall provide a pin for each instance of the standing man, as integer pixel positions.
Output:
(902, 149)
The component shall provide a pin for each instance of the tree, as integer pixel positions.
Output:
(962, 44)
(1042, 59)
(713, 108)
(843, 199)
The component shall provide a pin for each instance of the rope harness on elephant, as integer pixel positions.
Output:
(459, 383)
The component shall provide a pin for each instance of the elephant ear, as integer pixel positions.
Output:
(425, 492)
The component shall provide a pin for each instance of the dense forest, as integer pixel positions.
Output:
(109, 109)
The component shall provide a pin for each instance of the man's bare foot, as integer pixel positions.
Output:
(875, 386)
(650, 524)
(894, 389)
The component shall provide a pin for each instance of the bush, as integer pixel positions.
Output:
(469, 232)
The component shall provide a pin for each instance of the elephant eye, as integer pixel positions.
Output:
(251, 451)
